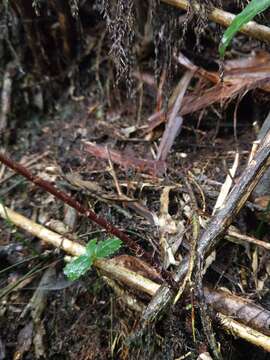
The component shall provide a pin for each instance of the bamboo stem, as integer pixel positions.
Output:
(122, 274)
(67, 199)
(224, 18)
(75, 249)
(244, 332)
(110, 228)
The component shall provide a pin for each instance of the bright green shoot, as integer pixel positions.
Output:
(254, 8)
(94, 250)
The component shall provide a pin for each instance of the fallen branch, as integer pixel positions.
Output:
(216, 226)
(225, 18)
(244, 310)
(253, 314)
(22, 170)
(244, 332)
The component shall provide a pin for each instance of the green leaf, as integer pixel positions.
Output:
(91, 248)
(254, 8)
(78, 267)
(108, 247)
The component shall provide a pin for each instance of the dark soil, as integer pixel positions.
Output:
(86, 319)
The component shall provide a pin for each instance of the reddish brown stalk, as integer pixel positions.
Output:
(133, 246)
(22, 170)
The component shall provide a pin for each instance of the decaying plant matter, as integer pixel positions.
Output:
(146, 144)
(217, 225)
(206, 243)
(227, 305)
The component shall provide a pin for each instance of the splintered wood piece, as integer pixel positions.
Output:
(174, 124)
(236, 80)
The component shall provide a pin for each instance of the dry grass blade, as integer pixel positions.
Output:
(174, 123)
(167, 227)
(225, 188)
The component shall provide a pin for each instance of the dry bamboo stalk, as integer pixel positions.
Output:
(249, 239)
(120, 273)
(130, 278)
(225, 18)
(117, 272)
(6, 96)
(244, 332)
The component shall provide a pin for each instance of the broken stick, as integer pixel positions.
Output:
(216, 226)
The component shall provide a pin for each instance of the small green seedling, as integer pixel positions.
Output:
(94, 250)
(254, 8)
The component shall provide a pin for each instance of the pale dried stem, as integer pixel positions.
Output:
(244, 332)
(109, 268)
(5, 99)
(122, 274)
(249, 239)
(225, 18)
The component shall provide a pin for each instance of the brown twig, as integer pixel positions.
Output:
(245, 238)
(151, 167)
(22, 170)
(111, 229)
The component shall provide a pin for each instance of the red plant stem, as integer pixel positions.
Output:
(133, 246)
(22, 170)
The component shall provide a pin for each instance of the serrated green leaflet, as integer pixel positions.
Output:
(254, 8)
(91, 247)
(93, 250)
(108, 247)
(78, 267)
